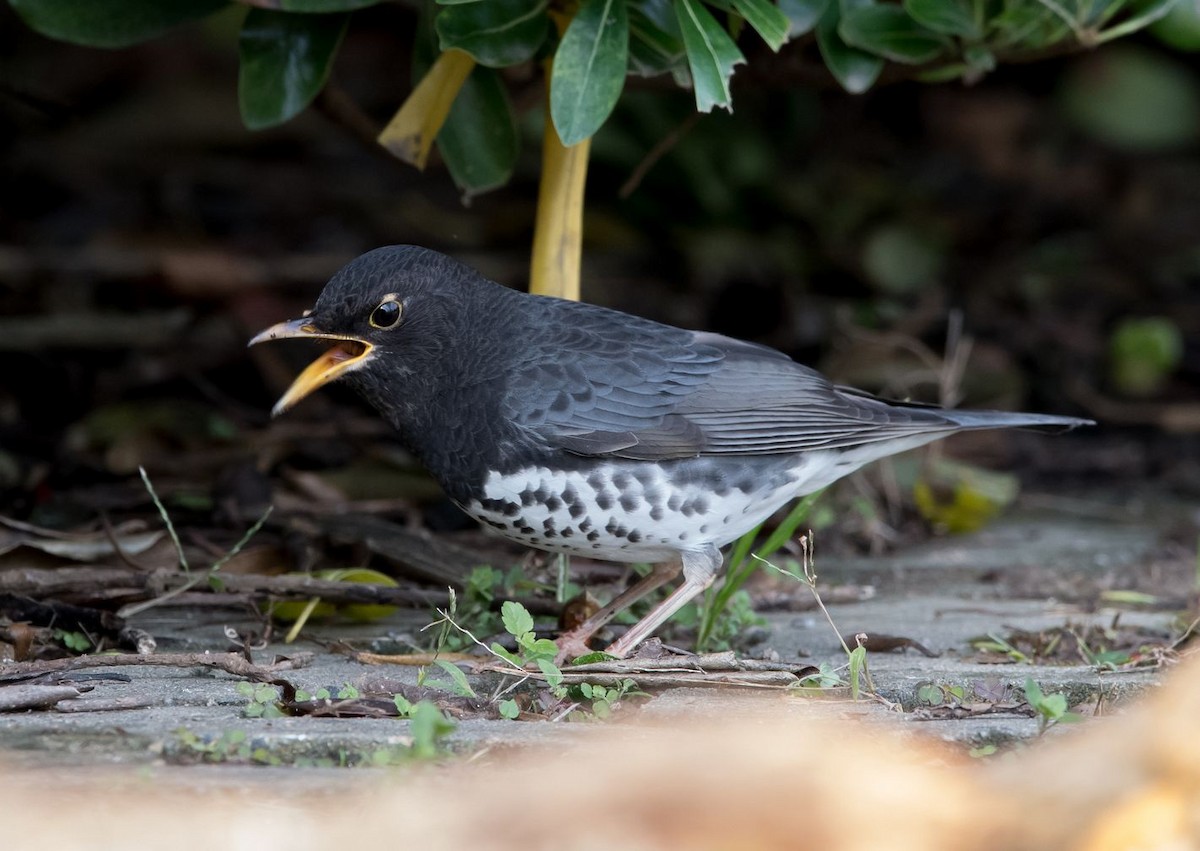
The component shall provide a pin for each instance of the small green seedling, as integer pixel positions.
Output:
(76, 641)
(263, 700)
(1050, 709)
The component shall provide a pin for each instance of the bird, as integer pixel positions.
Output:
(574, 428)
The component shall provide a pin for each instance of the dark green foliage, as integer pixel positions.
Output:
(287, 52)
(285, 61)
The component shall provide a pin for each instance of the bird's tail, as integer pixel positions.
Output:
(1007, 419)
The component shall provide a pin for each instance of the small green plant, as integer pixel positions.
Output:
(857, 672)
(532, 653)
(429, 726)
(345, 692)
(940, 694)
(76, 641)
(993, 643)
(230, 746)
(210, 575)
(826, 677)
(1050, 709)
(717, 607)
(262, 700)
(602, 698)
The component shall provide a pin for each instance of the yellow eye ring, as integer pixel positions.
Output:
(386, 315)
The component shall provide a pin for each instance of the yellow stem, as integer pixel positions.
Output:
(558, 228)
(410, 134)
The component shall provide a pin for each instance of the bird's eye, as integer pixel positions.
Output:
(386, 315)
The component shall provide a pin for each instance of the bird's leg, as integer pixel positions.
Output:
(573, 643)
(699, 570)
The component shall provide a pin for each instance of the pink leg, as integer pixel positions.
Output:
(574, 643)
(699, 570)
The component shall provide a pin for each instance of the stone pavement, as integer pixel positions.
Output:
(941, 594)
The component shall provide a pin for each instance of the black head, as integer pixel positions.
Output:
(392, 314)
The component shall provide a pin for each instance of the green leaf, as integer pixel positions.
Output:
(461, 686)
(509, 709)
(1033, 693)
(516, 618)
(1026, 24)
(428, 726)
(538, 649)
(711, 54)
(285, 61)
(110, 23)
(497, 33)
(403, 705)
(1146, 16)
(856, 70)
(888, 32)
(479, 140)
(949, 17)
(858, 661)
(550, 671)
(589, 69)
(766, 18)
(655, 42)
(802, 15)
(506, 654)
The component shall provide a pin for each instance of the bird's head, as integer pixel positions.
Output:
(388, 314)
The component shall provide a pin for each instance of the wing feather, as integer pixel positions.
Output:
(604, 383)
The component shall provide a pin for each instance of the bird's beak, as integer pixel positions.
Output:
(348, 353)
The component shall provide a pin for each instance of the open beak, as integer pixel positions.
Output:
(347, 354)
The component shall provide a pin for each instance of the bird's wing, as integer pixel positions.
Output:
(608, 384)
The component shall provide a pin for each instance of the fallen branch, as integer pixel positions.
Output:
(230, 663)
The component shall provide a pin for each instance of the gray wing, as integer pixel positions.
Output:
(604, 383)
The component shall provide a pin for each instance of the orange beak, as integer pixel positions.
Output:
(347, 354)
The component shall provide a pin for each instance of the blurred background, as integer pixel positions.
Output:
(1030, 241)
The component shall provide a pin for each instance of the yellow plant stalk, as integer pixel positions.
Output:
(410, 134)
(558, 228)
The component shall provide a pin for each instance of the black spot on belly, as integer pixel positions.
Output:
(634, 536)
(568, 532)
(629, 502)
(656, 513)
(526, 530)
(576, 509)
(596, 482)
(675, 501)
(527, 497)
(585, 524)
(593, 535)
(554, 503)
(604, 500)
(622, 481)
(541, 494)
(548, 525)
(745, 485)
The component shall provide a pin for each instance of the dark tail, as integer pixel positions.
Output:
(1006, 419)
